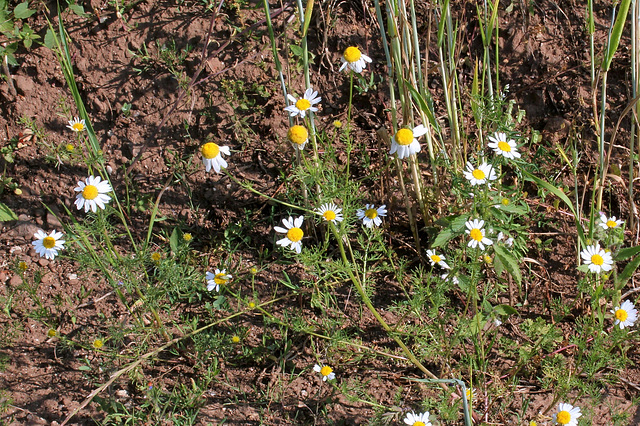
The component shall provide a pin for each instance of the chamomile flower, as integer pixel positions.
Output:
(77, 125)
(598, 259)
(92, 193)
(452, 279)
(508, 241)
(47, 246)
(414, 419)
(298, 136)
(371, 216)
(502, 146)
(303, 105)
(215, 280)
(436, 259)
(354, 59)
(625, 314)
(476, 232)
(405, 142)
(609, 222)
(331, 213)
(325, 371)
(567, 415)
(294, 233)
(212, 156)
(471, 395)
(479, 175)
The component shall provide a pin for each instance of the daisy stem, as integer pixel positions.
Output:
(372, 309)
(347, 129)
(407, 204)
(249, 188)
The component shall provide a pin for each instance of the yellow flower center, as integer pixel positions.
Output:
(371, 213)
(156, 256)
(476, 234)
(326, 370)
(49, 242)
(298, 134)
(78, 127)
(564, 417)
(210, 150)
(220, 278)
(621, 315)
(98, 343)
(52, 332)
(329, 215)
(90, 192)
(235, 339)
(478, 174)
(418, 423)
(611, 223)
(436, 258)
(596, 259)
(352, 54)
(503, 146)
(295, 234)
(505, 202)
(404, 137)
(303, 104)
(70, 147)
(187, 237)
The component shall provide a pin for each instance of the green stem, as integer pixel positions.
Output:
(373, 310)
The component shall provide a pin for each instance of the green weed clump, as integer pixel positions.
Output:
(428, 237)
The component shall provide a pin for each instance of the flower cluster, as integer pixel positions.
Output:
(330, 212)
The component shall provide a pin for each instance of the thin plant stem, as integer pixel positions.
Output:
(372, 309)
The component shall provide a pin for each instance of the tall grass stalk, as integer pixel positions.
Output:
(613, 40)
(635, 90)
(447, 51)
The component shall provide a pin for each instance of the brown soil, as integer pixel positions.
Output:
(545, 63)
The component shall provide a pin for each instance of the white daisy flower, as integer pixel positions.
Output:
(325, 371)
(212, 156)
(476, 232)
(567, 415)
(502, 146)
(92, 194)
(508, 242)
(447, 278)
(471, 395)
(330, 212)
(303, 105)
(215, 280)
(354, 59)
(414, 419)
(293, 231)
(298, 136)
(77, 125)
(625, 314)
(405, 142)
(437, 259)
(609, 222)
(479, 175)
(371, 216)
(598, 259)
(47, 246)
